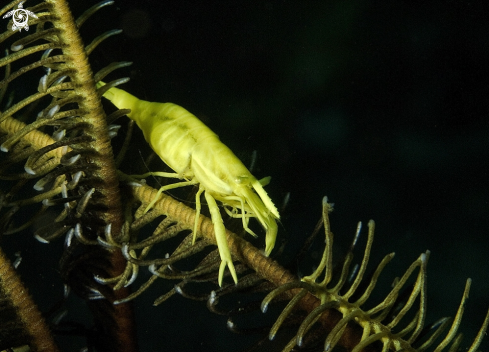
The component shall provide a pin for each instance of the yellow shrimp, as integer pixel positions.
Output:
(197, 156)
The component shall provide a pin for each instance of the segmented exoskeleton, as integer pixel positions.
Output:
(197, 156)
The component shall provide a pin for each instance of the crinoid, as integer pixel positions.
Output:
(60, 179)
(397, 323)
(57, 162)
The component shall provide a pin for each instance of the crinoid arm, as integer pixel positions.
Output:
(397, 322)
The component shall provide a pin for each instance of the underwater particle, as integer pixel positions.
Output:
(136, 23)
(323, 129)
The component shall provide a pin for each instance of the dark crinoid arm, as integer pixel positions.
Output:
(57, 164)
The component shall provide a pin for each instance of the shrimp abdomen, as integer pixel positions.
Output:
(171, 131)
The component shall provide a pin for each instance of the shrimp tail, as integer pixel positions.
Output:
(121, 99)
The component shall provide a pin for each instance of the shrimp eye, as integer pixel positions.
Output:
(241, 179)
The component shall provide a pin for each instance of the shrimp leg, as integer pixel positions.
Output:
(222, 244)
(244, 216)
(158, 173)
(166, 188)
(197, 211)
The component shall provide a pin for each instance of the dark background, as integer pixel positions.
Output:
(381, 106)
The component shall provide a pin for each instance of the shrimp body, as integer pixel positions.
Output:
(197, 155)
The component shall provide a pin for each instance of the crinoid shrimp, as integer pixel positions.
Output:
(197, 156)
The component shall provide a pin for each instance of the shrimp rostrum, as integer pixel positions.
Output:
(198, 157)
